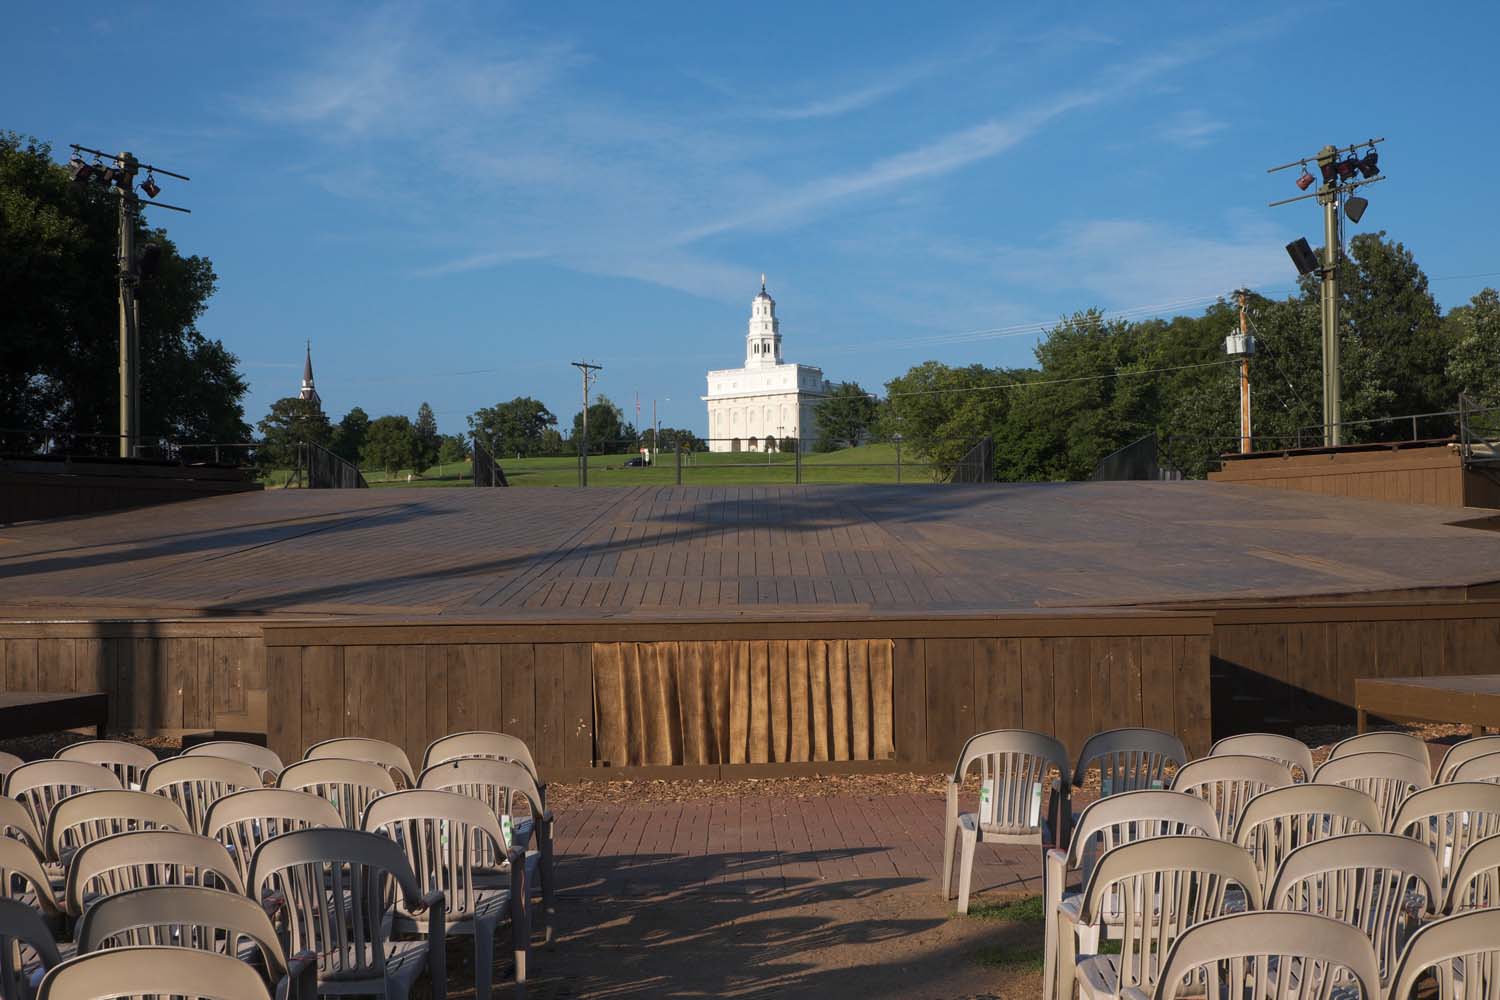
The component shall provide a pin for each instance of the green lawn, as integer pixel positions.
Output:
(874, 463)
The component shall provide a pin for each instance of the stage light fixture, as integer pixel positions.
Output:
(1305, 180)
(1370, 165)
(1330, 170)
(1348, 168)
(1354, 207)
(80, 171)
(150, 186)
(1302, 256)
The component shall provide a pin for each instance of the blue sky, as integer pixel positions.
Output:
(453, 201)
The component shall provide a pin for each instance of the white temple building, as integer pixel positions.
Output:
(766, 399)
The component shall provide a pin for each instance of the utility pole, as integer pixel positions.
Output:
(587, 370)
(655, 434)
(120, 180)
(1246, 346)
(1337, 186)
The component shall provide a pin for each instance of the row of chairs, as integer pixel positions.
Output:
(447, 852)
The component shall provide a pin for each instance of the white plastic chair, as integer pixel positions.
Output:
(1272, 746)
(1384, 741)
(1463, 952)
(1276, 823)
(1475, 881)
(263, 759)
(1129, 759)
(1464, 750)
(1485, 767)
(1388, 778)
(127, 760)
(1450, 819)
(1228, 782)
(1270, 956)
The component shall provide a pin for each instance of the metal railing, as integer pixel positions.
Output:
(486, 470)
(978, 463)
(326, 471)
(35, 442)
(1140, 459)
(1478, 431)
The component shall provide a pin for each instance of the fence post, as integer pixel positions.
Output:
(677, 454)
(798, 462)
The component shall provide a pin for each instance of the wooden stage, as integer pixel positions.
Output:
(713, 628)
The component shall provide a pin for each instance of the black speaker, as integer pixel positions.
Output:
(1302, 255)
(1354, 207)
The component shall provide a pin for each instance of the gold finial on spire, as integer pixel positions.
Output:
(762, 281)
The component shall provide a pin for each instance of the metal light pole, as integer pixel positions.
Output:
(1241, 345)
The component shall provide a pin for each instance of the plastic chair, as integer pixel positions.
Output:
(245, 820)
(22, 927)
(17, 824)
(1455, 755)
(83, 819)
(1129, 759)
(1101, 827)
(178, 972)
(1282, 749)
(1385, 741)
(1475, 881)
(1385, 777)
(42, 784)
(1193, 873)
(336, 889)
(1270, 956)
(1276, 823)
(1450, 819)
(1463, 951)
(425, 822)
(1228, 782)
(387, 755)
(8, 763)
(1485, 767)
(196, 917)
(498, 746)
(195, 783)
(1013, 767)
(351, 785)
(496, 783)
(127, 760)
(1367, 880)
(263, 759)
(18, 864)
(147, 857)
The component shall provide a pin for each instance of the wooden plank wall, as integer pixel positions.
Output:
(32, 496)
(161, 677)
(1433, 475)
(1277, 667)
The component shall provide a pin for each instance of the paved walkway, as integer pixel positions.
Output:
(751, 845)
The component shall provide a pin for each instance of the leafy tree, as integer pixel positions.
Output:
(391, 444)
(454, 449)
(291, 421)
(553, 443)
(608, 430)
(59, 346)
(426, 440)
(1475, 365)
(941, 411)
(789, 444)
(513, 428)
(671, 437)
(349, 436)
(845, 416)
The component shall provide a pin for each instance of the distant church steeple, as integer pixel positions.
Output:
(309, 391)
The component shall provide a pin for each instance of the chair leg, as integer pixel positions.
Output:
(520, 925)
(1065, 966)
(549, 888)
(969, 837)
(950, 824)
(484, 961)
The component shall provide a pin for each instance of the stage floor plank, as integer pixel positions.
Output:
(655, 551)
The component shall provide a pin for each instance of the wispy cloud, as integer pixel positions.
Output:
(1191, 129)
(892, 82)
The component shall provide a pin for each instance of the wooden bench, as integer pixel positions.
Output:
(27, 713)
(1472, 700)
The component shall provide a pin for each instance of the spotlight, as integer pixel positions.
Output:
(1302, 256)
(1330, 169)
(108, 176)
(80, 171)
(1370, 165)
(150, 186)
(1354, 207)
(1348, 168)
(149, 261)
(1305, 181)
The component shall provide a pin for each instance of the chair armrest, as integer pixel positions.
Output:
(436, 906)
(432, 903)
(302, 976)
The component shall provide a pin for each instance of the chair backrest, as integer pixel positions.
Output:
(147, 857)
(1129, 759)
(1485, 767)
(1272, 746)
(496, 783)
(1450, 819)
(1130, 816)
(349, 784)
(1464, 750)
(22, 927)
(497, 746)
(195, 783)
(90, 816)
(16, 822)
(187, 973)
(425, 822)
(1228, 782)
(1385, 777)
(1386, 741)
(1270, 956)
(387, 755)
(188, 916)
(127, 760)
(42, 784)
(336, 888)
(1463, 952)
(8, 763)
(245, 820)
(1135, 883)
(1363, 879)
(263, 759)
(21, 871)
(1013, 765)
(1475, 881)
(1277, 822)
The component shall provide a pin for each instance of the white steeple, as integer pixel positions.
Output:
(308, 391)
(763, 341)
